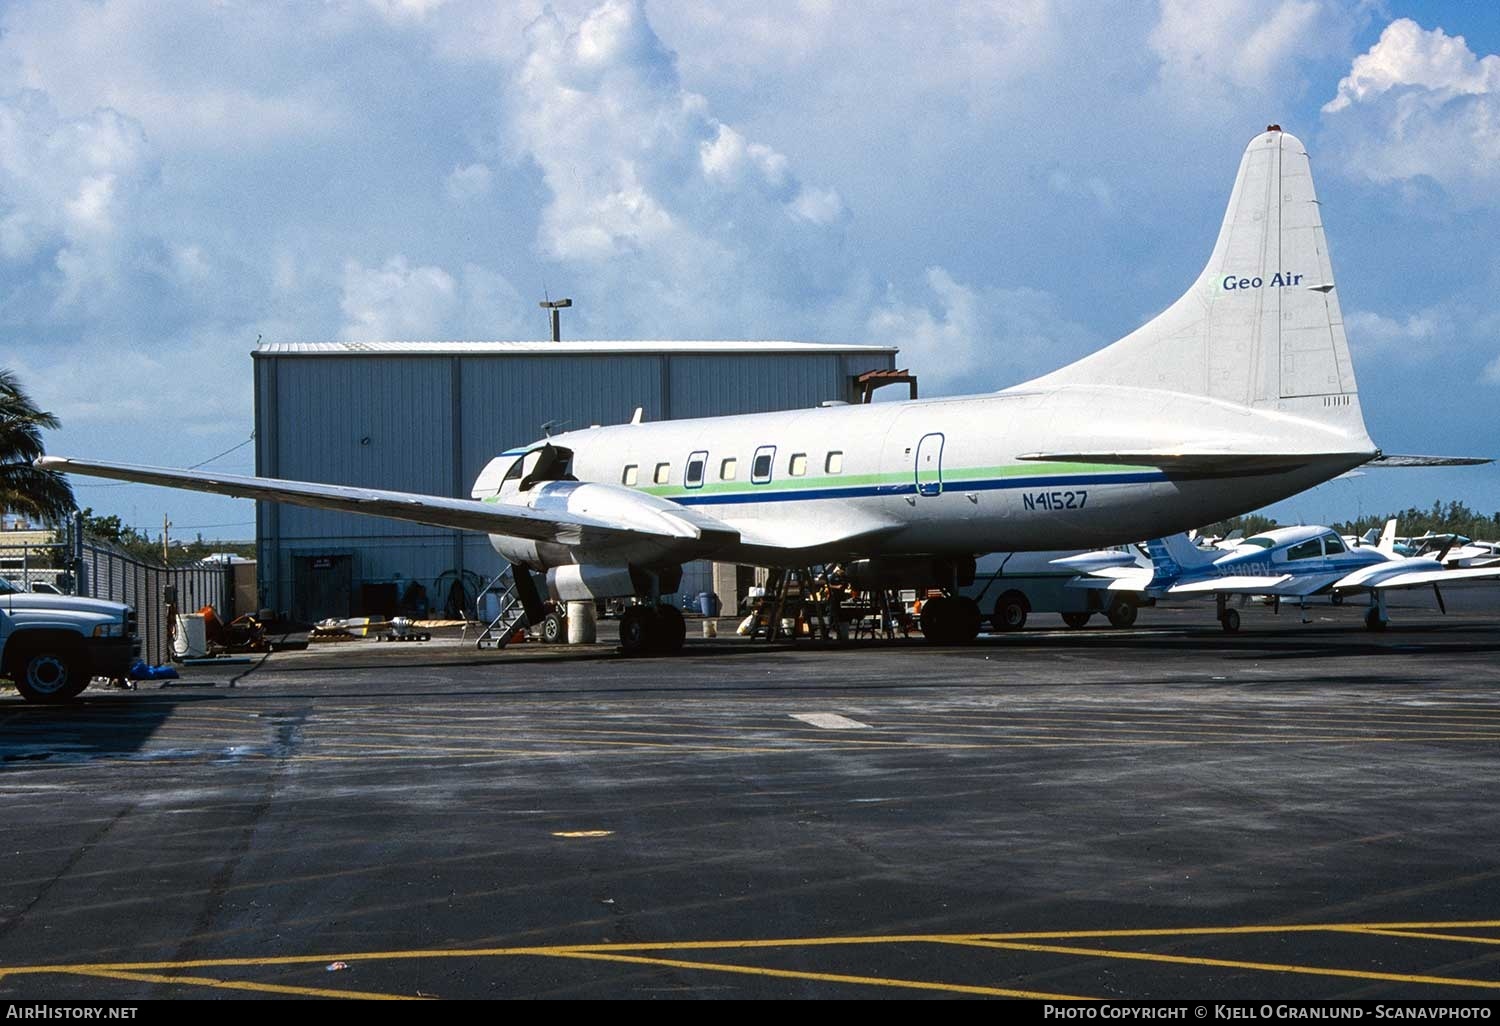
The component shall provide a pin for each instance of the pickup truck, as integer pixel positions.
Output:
(51, 646)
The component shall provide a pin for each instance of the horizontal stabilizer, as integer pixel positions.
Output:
(1114, 578)
(1392, 460)
(1196, 463)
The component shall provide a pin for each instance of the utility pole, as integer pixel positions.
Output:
(166, 525)
(554, 305)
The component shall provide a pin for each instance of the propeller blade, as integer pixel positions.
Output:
(1438, 592)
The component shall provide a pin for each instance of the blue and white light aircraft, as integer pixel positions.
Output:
(1239, 394)
(1292, 563)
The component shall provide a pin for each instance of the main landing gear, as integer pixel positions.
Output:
(951, 620)
(648, 630)
(1229, 619)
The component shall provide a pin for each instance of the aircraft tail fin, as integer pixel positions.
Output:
(1261, 326)
(1173, 555)
(1387, 543)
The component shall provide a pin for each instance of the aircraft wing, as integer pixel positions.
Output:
(1420, 578)
(554, 525)
(1243, 585)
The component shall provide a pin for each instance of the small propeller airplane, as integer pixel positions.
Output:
(1293, 563)
(1239, 394)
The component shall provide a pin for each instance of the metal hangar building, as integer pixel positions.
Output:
(427, 416)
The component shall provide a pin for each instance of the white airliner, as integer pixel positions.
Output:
(1240, 394)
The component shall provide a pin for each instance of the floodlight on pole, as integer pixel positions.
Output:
(554, 305)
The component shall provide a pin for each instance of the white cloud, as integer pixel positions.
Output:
(1208, 48)
(467, 183)
(1492, 372)
(635, 163)
(971, 339)
(1421, 104)
(396, 302)
(1413, 338)
(67, 188)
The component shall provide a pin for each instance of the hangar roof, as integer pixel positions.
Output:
(548, 348)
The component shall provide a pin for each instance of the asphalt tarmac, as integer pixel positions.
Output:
(1300, 810)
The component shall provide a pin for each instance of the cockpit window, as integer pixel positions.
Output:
(1333, 543)
(1260, 541)
(1305, 550)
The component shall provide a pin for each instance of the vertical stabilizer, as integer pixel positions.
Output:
(1387, 543)
(1172, 555)
(1261, 326)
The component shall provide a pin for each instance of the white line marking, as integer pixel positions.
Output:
(830, 721)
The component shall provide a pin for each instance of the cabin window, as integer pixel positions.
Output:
(631, 476)
(693, 476)
(728, 469)
(760, 470)
(1333, 543)
(797, 467)
(663, 473)
(834, 464)
(1305, 550)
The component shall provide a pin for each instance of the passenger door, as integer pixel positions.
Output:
(929, 467)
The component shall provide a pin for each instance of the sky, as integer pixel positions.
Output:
(996, 188)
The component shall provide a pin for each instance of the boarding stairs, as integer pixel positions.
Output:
(511, 616)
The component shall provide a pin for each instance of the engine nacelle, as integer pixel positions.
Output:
(894, 572)
(586, 583)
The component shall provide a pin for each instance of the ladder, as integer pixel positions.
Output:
(791, 587)
(512, 611)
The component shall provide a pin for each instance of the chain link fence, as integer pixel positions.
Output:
(108, 573)
(89, 567)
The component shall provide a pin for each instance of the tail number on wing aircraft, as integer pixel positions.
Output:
(1054, 500)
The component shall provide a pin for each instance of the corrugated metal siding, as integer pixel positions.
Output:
(379, 422)
(506, 401)
(705, 386)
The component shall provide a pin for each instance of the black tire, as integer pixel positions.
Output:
(1011, 610)
(50, 673)
(967, 620)
(554, 629)
(937, 621)
(1077, 620)
(1231, 621)
(1373, 622)
(637, 630)
(1122, 613)
(671, 630)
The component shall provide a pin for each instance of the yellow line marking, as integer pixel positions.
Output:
(582, 833)
(1224, 963)
(269, 988)
(1415, 935)
(784, 942)
(793, 974)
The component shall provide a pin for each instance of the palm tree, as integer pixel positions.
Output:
(23, 488)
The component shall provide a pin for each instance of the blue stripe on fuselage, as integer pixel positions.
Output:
(910, 488)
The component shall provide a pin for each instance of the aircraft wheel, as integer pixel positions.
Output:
(1010, 611)
(49, 673)
(1122, 613)
(937, 621)
(1231, 621)
(1076, 620)
(671, 630)
(967, 619)
(637, 630)
(554, 629)
(1373, 621)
